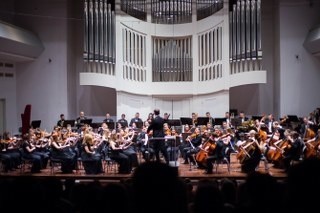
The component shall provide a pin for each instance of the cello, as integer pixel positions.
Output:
(312, 146)
(207, 148)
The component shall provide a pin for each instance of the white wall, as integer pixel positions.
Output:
(42, 83)
(8, 93)
(300, 71)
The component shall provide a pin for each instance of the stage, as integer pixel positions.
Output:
(185, 171)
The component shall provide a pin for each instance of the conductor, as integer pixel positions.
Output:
(158, 144)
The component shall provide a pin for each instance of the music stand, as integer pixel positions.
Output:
(256, 117)
(186, 120)
(68, 122)
(96, 125)
(174, 122)
(233, 112)
(203, 121)
(35, 124)
(236, 122)
(87, 121)
(293, 118)
(219, 121)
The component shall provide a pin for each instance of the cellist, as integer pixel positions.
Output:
(293, 151)
(221, 142)
(312, 146)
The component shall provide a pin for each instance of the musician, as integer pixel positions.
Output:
(243, 117)
(123, 121)
(293, 151)
(116, 153)
(194, 142)
(149, 119)
(61, 121)
(228, 119)
(41, 143)
(269, 120)
(9, 147)
(307, 129)
(316, 138)
(194, 117)
(158, 145)
(172, 144)
(62, 151)
(108, 118)
(143, 145)
(28, 151)
(221, 141)
(252, 160)
(166, 117)
(135, 119)
(126, 139)
(80, 119)
(211, 120)
(10, 159)
(91, 158)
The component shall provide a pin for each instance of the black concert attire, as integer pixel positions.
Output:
(123, 122)
(11, 156)
(143, 146)
(158, 145)
(173, 147)
(6, 158)
(135, 120)
(122, 159)
(221, 151)
(66, 155)
(60, 122)
(92, 160)
(191, 149)
(108, 120)
(29, 152)
(80, 122)
(293, 152)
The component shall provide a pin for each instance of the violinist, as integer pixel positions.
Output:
(91, 158)
(116, 153)
(41, 143)
(125, 139)
(61, 121)
(185, 131)
(9, 148)
(62, 151)
(173, 142)
(28, 151)
(194, 141)
(143, 145)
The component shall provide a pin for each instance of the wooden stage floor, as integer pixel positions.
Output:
(185, 171)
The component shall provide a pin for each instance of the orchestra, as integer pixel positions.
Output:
(279, 142)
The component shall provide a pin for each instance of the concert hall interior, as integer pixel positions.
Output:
(235, 81)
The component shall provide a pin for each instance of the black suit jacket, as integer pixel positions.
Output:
(157, 127)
